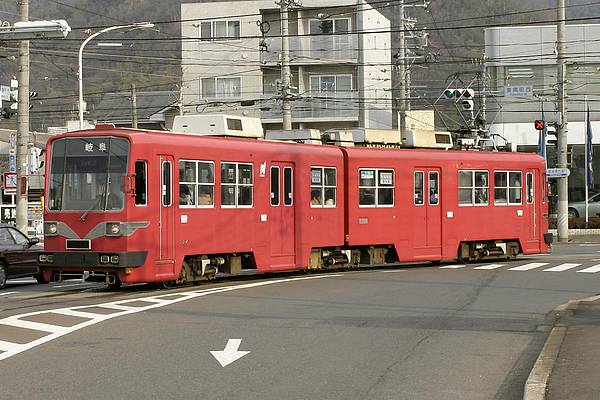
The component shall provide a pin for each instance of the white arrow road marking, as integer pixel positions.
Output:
(230, 353)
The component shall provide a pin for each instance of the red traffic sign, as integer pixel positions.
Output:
(539, 124)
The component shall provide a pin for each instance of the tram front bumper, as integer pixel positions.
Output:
(90, 260)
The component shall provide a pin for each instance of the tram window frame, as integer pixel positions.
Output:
(374, 186)
(288, 186)
(530, 187)
(474, 189)
(508, 188)
(418, 189)
(141, 182)
(167, 183)
(275, 187)
(236, 182)
(434, 189)
(320, 184)
(196, 182)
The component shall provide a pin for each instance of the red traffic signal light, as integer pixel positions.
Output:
(539, 125)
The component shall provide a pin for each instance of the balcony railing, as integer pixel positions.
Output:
(312, 49)
(318, 107)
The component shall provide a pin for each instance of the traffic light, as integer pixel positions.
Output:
(539, 124)
(462, 96)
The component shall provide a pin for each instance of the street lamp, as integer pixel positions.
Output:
(137, 25)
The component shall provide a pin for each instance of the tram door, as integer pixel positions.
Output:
(427, 215)
(282, 215)
(532, 207)
(166, 211)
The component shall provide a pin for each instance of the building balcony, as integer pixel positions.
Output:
(324, 49)
(315, 109)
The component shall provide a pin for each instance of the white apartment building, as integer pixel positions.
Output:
(339, 60)
(521, 62)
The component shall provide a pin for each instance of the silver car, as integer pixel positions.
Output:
(577, 208)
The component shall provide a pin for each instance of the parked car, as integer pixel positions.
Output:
(577, 208)
(18, 255)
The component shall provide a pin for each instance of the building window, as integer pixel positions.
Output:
(196, 183)
(330, 34)
(236, 185)
(323, 186)
(507, 187)
(334, 84)
(376, 187)
(230, 87)
(220, 30)
(473, 188)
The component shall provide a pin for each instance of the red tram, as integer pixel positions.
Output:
(143, 206)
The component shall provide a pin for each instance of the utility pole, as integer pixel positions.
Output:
(285, 66)
(400, 88)
(561, 136)
(22, 124)
(134, 115)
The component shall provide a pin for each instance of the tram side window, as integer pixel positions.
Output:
(288, 194)
(418, 186)
(196, 183)
(376, 187)
(274, 186)
(323, 187)
(529, 188)
(507, 187)
(434, 188)
(166, 183)
(141, 183)
(473, 188)
(236, 184)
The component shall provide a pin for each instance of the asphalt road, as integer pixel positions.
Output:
(412, 332)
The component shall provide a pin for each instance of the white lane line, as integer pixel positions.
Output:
(562, 267)
(38, 326)
(527, 267)
(395, 271)
(453, 266)
(7, 293)
(589, 244)
(9, 346)
(592, 269)
(11, 349)
(490, 266)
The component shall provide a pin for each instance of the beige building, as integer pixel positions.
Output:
(340, 75)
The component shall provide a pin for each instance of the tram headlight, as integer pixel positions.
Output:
(50, 228)
(45, 258)
(113, 229)
(104, 259)
(42, 258)
(114, 259)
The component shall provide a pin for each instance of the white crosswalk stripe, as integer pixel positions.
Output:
(490, 266)
(562, 267)
(528, 267)
(453, 266)
(592, 269)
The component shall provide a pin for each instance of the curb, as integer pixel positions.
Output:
(537, 383)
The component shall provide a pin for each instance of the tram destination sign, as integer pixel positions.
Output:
(558, 172)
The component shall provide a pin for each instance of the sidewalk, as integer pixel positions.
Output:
(576, 373)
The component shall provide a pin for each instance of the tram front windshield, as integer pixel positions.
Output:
(86, 174)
